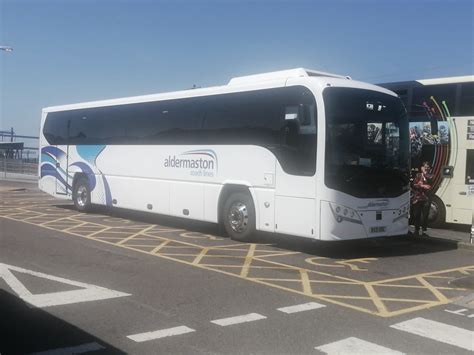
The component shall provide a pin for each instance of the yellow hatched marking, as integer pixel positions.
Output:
(299, 280)
(166, 230)
(162, 245)
(354, 267)
(249, 256)
(200, 256)
(305, 282)
(99, 231)
(76, 227)
(408, 300)
(426, 274)
(343, 297)
(377, 301)
(442, 298)
(248, 261)
(291, 267)
(111, 238)
(141, 245)
(38, 215)
(278, 254)
(178, 254)
(439, 277)
(136, 234)
(252, 267)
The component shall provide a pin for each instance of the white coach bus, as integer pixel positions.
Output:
(297, 152)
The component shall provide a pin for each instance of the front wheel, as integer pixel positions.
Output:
(81, 195)
(239, 216)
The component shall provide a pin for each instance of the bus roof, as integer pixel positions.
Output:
(282, 74)
(243, 83)
(433, 81)
(449, 80)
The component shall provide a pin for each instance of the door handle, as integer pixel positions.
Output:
(463, 193)
(58, 164)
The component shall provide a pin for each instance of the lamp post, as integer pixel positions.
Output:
(6, 48)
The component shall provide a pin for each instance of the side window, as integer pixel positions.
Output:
(423, 105)
(297, 154)
(180, 122)
(101, 125)
(466, 104)
(243, 118)
(470, 167)
(55, 129)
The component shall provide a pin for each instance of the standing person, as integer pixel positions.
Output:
(420, 200)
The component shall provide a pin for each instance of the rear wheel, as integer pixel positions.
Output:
(239, 216)
(437, 214)
(81, 195)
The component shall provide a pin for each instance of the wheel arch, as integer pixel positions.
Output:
(229, 189)
(77, 177)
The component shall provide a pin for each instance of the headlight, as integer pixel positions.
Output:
(343, 213)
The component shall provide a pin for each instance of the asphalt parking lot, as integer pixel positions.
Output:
(115, 281)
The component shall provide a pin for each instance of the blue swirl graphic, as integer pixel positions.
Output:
(50, 170)
(90, 152)
(85, 168)
(53, 152)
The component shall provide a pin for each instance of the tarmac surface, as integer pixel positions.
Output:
(116, 281)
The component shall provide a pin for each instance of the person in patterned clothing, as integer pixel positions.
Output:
(420, 199)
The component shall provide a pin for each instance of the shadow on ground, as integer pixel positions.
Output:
(350, 249)
(24, 329)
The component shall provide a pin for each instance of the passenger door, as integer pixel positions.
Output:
(295, 190)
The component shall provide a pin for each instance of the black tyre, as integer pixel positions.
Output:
(81, 195)
(437, 214)
(238, 216)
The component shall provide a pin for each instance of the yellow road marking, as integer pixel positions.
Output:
(157, 249)
(354, 267)
(136, 234)
(248, 261)
(252, 253)
(99, 231)
(442, 298)
(377, 301)
(198, 258)
(305, 282)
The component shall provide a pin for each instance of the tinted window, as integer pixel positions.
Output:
(367, 150)
(466, 104)
(255, 118)
(423, 105)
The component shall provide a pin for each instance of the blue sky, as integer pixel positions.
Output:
(68, 51)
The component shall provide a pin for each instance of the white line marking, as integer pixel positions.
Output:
(160, 334)
(444, 333)
(80, 349)
(301, 307)
(86, 293)
(238, 319)
(459, 312)
(355, 346)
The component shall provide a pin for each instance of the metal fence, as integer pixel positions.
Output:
(14, 167)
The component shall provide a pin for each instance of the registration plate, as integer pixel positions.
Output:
(379, 229)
